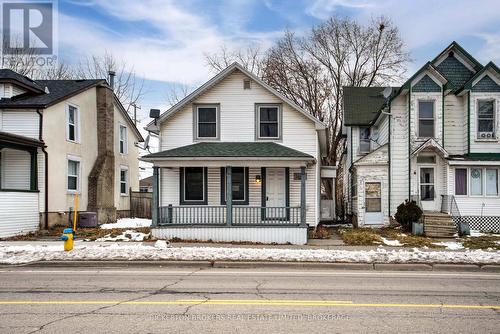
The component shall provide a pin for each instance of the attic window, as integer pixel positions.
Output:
(246, 84)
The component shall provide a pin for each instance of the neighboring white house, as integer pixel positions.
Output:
(236, 125)
(60, 138)
(436, 140)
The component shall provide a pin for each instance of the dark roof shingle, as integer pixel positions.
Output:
(231, 150)
(7, 74)
(362, 104)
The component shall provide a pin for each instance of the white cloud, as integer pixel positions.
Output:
(174, 53)
(323, 9)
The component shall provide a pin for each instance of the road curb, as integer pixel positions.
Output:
(265, 264)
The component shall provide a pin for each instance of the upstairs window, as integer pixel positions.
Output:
(485, 119)
(123, 139)
(426, 119)
(72, 123)
(268, 125)
(206, 122)
(364, 140)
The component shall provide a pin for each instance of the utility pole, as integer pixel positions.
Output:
(135, 106)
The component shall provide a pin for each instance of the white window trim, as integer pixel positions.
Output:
(498, 182)
(433, 118)
(77, 125)
(184, 186)
(79, 176)
(482, 182)
(217, 120)
(495, 117)
(279, 120)
(369, 140)
(125, 141)
(124, 168)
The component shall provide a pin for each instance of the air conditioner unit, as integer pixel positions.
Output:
(486, 135)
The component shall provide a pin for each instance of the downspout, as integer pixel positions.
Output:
(442, 116)
(409, 140)
(350, 172)
(46, 170)
(468, 123)
(389, 157)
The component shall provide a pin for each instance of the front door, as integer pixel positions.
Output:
(373, 203)
(275, 193)
(428, 188)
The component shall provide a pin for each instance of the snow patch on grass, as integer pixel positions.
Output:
(128, 223)
(128, 235)
(452, 245)
(388, 242)
(130, 252)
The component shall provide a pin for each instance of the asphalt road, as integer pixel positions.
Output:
(183, 300)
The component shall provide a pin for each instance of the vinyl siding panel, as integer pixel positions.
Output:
(383, 131)
(438, 117)
(454, 125)
(23, 123)
(399, 152)
(18, 213)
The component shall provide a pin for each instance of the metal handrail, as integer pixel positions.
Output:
(449, 205)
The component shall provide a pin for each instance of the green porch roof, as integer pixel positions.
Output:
(477, 157)
(230, 150)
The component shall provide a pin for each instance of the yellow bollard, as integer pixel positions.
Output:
(68, 237)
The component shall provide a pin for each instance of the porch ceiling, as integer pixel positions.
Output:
(231, 151)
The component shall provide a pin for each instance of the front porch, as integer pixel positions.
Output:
(245, 196)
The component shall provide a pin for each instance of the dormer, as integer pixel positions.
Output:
(14, 84)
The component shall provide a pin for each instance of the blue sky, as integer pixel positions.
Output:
(165, 41)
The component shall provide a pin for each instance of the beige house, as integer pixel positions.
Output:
(63, 138)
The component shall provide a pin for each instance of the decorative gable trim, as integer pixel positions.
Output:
(432, 144)
(426, 84)
(486, 84)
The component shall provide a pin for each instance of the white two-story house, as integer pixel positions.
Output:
(435, 140)
(238, 162)
(62, 139)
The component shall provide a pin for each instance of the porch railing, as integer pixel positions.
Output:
(449, 205)
(217, 215)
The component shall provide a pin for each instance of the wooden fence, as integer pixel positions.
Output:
(140, 204)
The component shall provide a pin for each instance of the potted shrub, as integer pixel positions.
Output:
(408, 215)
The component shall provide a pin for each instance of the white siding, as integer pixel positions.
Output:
(23, 122)
(399, 152)
(371, 174)
(454, 124)
(41, 179)
(16, 90)
(169, 186)
(438, 117)
(383, 131)
(15, 169)
(237, 117)
(18, 213)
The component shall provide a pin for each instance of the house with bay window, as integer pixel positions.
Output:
(435, 140)
(60, 139)
(238, 161)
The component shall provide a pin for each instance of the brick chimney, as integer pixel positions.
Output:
(102, 176)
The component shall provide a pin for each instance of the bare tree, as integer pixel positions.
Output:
(128, 87)
(250, 58)
(176, 92)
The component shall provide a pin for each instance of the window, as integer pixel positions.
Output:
(427, 184)
(426, 159)
(72, 124)
(373, 197)
(123, 139)
(239, 182)
(461, 181)
(425, 119)
(193, 185)
(206, 122)
(485, 119)
(123, 180)
(73, 175)
(491, 182)
(269, 122)
(476, 181)
(246, 84)
(364, 140)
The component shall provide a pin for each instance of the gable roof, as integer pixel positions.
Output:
(456, 47)
(57, 90)
(218, 78)
(230, 150)
(362, 105)
(7, 75)
(430, 143)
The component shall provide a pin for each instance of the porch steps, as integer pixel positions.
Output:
(439, 225)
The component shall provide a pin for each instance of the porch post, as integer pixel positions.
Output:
(229, 196)
(34, 170)
(154, 199)
(302, 195)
